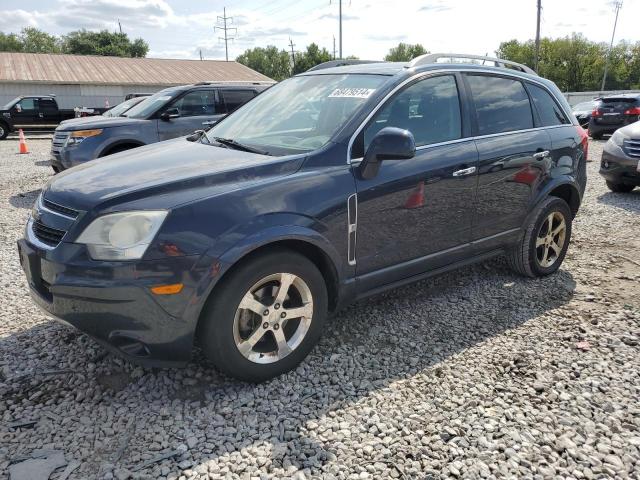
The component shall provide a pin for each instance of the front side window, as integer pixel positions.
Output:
(429, 109)
(548, 110)
(233, 99)
(26, 104)
(197, 102)
(502, 104)
(298, 115)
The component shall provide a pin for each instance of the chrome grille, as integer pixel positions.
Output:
(47, 235)
(62, 210)
(632, 147)
(59, 139)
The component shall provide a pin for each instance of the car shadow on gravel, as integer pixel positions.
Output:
(24, 199)
(627, 201)
(368, 350)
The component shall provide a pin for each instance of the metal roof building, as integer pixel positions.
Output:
(89, 81)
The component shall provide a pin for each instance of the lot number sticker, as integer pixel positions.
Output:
(352, 93)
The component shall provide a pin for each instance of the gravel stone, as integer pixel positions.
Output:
(474, 374)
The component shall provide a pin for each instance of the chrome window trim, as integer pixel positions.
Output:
(429, 73)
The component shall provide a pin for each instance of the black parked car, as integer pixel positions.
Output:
(244, 238)
(612, 113)
(620, 164)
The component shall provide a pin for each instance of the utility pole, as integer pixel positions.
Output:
(339, 27)
(225, 29)
(293, 55)
(538, 37)
(120, 26)
(201, 55)
(618, 6)
(334, 47)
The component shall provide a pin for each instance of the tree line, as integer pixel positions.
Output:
(79, 42)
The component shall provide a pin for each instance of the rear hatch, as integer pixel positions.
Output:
(614, 110)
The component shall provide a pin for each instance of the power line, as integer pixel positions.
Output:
(618, 6)
(538, 36)
(225, 29)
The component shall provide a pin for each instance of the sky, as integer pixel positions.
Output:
(181, 29)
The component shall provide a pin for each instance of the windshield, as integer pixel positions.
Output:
(297, 115)
(152, 104)
(10, 104)
(123, 107)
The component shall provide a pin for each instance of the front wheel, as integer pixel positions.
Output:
(4, 131)
(619, 187)
(543, 246)
(265, 316)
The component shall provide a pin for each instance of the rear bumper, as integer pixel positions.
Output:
(617, 167)
(599, 128)
(112, 301)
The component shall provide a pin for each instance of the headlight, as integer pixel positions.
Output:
(122, 236)
(618, 138)
(79, 135)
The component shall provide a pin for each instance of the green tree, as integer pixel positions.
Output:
(84, 42)
(405, 52)
(29, 40)
(312, 56)
(269, 61)
(10, 42)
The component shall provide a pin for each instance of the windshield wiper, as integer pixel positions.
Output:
(229, 142)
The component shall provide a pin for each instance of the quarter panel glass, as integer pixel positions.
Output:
(548, 110)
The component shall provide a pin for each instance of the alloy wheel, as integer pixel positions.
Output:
(550, 239)
(273, 318)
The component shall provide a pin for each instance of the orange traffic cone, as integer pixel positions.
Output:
(23, 143)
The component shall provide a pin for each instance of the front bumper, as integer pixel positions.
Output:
(112, 301)
(617, 167)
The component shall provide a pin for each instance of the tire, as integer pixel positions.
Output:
(619, 187)
(528, 259)
(4, 130)
(56, 169)
(596, 136)
(224, 325)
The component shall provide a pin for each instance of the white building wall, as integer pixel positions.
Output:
(70, 96)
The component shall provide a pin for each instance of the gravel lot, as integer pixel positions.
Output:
(475, 374)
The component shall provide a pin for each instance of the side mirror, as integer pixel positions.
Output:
(390, 143)
(195, 136)
(169, 114)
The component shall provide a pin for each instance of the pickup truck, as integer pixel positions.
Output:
(169, 113)
(36, 113)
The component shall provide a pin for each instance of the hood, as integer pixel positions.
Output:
(97, 122)
(631, 131)
(163, 175)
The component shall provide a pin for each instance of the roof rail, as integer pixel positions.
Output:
(339, 63)
(430, 58)
(236, 82)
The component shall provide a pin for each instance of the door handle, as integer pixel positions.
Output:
(464, 171)
(541, 155)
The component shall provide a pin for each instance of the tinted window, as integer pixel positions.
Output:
(430, 109)
(47, 105)
(233, 99)
(548, 110)
(197, 102)
(26, 104)
(502, 105)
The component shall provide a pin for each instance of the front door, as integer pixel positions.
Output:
(24, 114)
(415, 215)
(195, 109)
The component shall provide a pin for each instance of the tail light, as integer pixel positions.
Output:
(584, 141)
(632, 111)
(596, 113)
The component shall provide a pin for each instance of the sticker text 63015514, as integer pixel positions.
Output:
(352, 93)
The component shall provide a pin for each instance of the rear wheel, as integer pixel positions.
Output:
(265, 317)
(546, 237)
(619, 187)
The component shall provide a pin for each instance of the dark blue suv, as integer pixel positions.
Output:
(331, 186)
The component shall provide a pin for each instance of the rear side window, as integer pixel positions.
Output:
(47, 105)
(548, 110)
(430, 109)
(502, 104)
(233, 99)
(196, 102)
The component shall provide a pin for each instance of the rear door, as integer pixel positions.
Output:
(195, 108)
(48, 111)
(514, 157)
